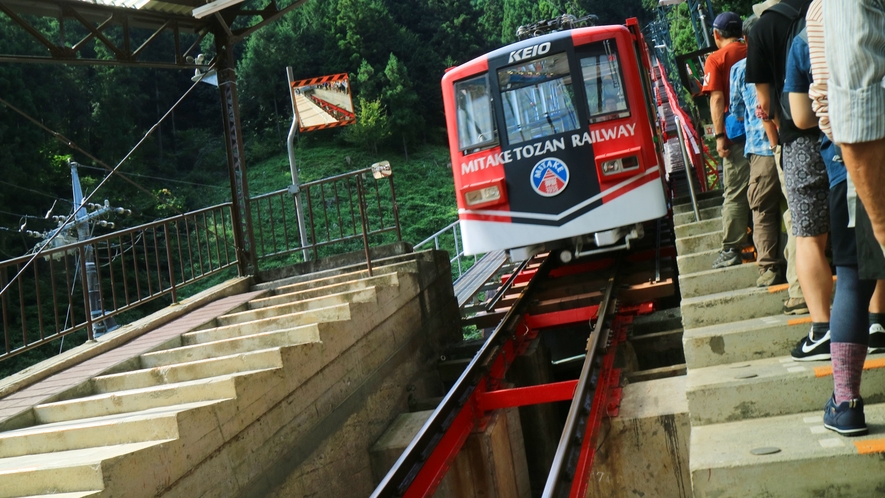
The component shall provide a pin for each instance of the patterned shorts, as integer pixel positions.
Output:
(805, 178)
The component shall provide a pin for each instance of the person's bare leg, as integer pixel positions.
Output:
(865, 163)
(877, 302)
(815, 276)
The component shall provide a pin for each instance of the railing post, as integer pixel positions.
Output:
(4, 303)
(361, 201)
(457, 250)
(399, 235)
(84, 283)
(169, 262)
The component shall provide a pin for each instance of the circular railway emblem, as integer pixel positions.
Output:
(549, 177)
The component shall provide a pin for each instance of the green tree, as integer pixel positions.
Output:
(371, 126)
(401, 99)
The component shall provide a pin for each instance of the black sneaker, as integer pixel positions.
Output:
(795, 306)
(808, 349)
(877, 339)
(847, 419)
(728, 257)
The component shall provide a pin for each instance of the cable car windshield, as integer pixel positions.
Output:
(537, 98)
(476, 124)
(603, 82)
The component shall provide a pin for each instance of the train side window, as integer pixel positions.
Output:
(604, 82)
(538, 98)
(476, 123)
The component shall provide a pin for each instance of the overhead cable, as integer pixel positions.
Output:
(103, 181)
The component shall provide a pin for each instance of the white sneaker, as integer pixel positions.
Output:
(877, 339)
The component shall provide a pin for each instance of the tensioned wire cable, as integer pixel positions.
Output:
(104, 180)
(164, 179)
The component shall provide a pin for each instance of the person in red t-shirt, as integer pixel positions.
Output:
(735, 167)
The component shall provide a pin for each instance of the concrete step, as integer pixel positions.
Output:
(400, 263)
(645, 453)
(693, 263)
(733, 306)
(75, 494)
(193, 370)
(698, 228)
(702, 204)
(744, 340)
(710, 194)
(297, 293)
(235, 345)
(154, 424)
(688, 217)
(364, 295)
(719, 280)
(62, 471)
(810, 460)
(331, 313)
(699, 243)
(770, 387)
(133, 400)
(229, 401)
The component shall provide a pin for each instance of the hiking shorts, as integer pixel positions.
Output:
(808, 187)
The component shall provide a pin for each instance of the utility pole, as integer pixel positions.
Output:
(82, 222)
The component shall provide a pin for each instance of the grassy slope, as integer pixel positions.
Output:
(424, 186)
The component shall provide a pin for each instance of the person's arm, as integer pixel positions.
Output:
(800, 107)
(717, 111)
(771, 133)
(763, 97)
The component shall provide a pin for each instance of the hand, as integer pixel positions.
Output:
(721, 147)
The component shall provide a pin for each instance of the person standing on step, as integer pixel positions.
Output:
(764, 192)
(808, 192)
(856, 320)
(735, 167)
(855, 52)
(766, 63)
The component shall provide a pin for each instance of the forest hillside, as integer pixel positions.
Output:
(395, 52)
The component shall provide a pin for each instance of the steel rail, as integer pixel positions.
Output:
(561, 476)
(397, 481)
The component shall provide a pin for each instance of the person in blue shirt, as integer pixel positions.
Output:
(849, 326)
(806, 181)
(764, 192)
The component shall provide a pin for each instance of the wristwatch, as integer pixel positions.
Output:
(719, 135)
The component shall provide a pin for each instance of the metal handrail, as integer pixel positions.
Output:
(134, 266)
(339, 209)
(453, 227)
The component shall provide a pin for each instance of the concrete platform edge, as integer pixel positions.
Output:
(128, 332)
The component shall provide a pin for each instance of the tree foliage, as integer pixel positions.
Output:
(395, 52)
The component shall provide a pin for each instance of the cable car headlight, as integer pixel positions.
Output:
(620, 165)
(484, 194)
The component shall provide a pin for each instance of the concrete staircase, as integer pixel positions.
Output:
(756, 415)
(240, 405)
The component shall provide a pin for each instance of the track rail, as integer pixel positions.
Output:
(580, 295)
(422, 465)
(573, 458)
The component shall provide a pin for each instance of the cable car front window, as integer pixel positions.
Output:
(603, 82)
(476, 125)
(537, 98)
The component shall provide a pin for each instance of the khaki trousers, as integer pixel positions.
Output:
(735, 206)
(764, 195)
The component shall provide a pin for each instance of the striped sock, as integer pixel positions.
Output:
(848, 359)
